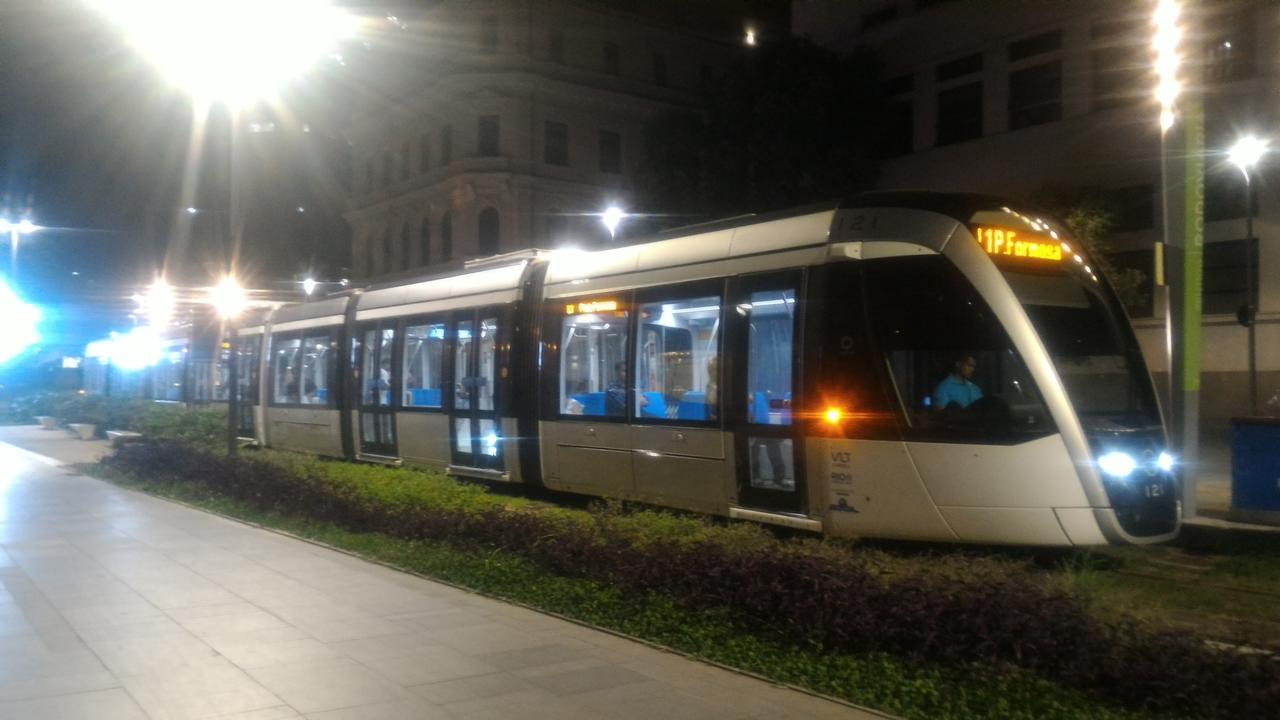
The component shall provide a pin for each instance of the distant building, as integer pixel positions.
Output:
(523, 121)
(1020, 98)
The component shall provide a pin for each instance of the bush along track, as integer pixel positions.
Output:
(820, 595)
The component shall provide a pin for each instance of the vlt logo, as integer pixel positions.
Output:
(840, 458)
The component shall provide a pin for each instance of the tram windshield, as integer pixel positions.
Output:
(1082, 327)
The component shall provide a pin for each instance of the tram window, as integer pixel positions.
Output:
(463, 385)
(678, 360)
(952, 365)
(593, 364)
(424, 365)
(487, 376)
(771, 322)
(316, 369)
(369, 379)
(285, 369)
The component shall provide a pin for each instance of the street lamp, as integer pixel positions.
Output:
(612, 217)
(16, 230)
(1245, 155)
(233, 51)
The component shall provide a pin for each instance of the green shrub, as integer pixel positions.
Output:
(204, 427)
(25, 409)
(91, 409)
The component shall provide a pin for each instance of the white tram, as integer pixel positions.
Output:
(802, 369)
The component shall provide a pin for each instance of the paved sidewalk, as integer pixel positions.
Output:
(115, 606)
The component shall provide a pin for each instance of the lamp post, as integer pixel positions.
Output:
(16, 230)
(274, 43)
(1245, 155)
(229, 299)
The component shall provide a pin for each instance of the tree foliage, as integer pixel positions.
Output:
(1090, 216)
(789, 123)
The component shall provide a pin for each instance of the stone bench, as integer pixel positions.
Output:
(86, 431)
(119, 437)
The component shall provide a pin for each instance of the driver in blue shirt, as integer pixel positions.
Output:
(958, 387)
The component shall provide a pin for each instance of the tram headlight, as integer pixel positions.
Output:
(832, 416)
(1164, 461)
(1117, 464)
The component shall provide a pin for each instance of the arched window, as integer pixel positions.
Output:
(488, 223)
(387, 239)
(424, 242)
(404, 247)
(386, 169)
(446, 236)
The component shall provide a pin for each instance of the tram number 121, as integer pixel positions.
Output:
(1153, 490)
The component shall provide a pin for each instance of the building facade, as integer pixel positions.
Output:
(524, 124)
(1049, 98)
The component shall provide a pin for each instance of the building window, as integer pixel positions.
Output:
(611, 60)
(368, 175)
(488, 231)
(1135, 208)
(403, 263)
(1224, 194)
(879, 16)
(404, 161)
(386, 169)
(660, 69)
(610, 152)
(446, 236)
(958, 68)
(555, 46)
(1035, 45)
(1035, 95)
(424, 152)
(446, 145)
(424, 242)
(371, 256)
(489, 34)
(556, 150)
(960, 114)
(898, 132)
(1226, 267)
(487, 136)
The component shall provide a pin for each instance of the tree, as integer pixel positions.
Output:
(1090, 215)
(789, 123)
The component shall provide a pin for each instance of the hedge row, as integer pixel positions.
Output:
(815, 593)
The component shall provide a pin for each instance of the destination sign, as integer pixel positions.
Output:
(591, 306)
(1004, 242)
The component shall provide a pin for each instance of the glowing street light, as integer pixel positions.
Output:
(234, 51)
(1246, 153)
(612, 217)
(1167, 37)
(158, 303)
(228, 298)
(16, 230)
(18, 322)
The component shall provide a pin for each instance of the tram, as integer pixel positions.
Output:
(902, 365)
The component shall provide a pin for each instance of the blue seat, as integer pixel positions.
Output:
(592, 403)
(759, 408)
(425, 397)
(655, 407)
(693, 406)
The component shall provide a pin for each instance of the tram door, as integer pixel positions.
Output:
(245, 355)
(475, 429)
(765, 348)
(376, 372)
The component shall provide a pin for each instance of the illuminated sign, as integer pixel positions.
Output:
(1014, 243)
(594, 306)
